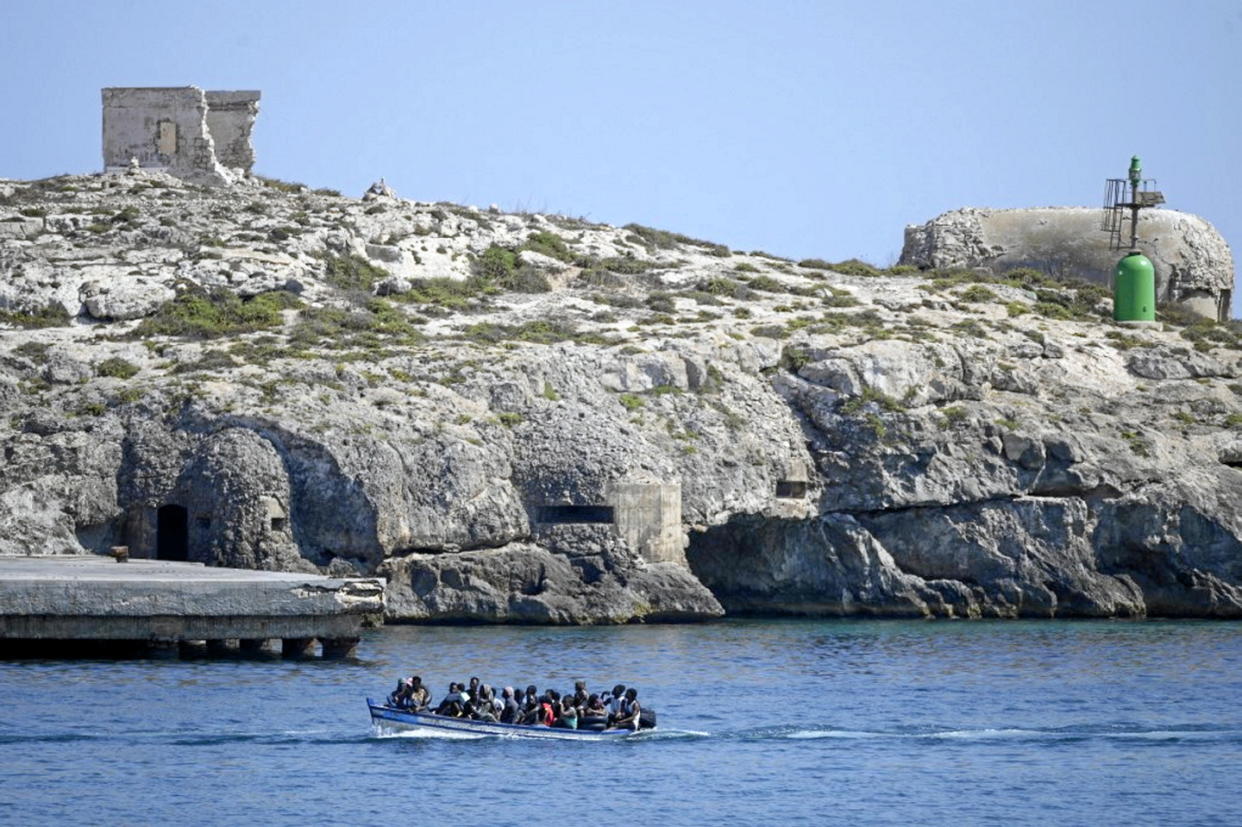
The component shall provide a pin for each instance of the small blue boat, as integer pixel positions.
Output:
(389, 719)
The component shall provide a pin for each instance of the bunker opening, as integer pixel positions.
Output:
(172, 537)
(790, 489)
(556, 514)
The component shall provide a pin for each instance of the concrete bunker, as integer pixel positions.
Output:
(646, 515)
(172, 532)
(793, 486)
(196, 135)
(790, 489)
(563, 514)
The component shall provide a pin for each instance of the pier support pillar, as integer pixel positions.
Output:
(339, 647)
(251, 646)
(297, 647)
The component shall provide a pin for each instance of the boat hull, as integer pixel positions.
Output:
(395, 720)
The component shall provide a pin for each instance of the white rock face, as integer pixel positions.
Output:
(1194, 265)
(124, 299)
(894, 443)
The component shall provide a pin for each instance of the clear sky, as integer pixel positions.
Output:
(801, 128)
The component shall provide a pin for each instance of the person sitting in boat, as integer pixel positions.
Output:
(531, 708)
(547, 708)
(483, 707)
(581, 696)
(417, 697)
(628, 711)
(397, 699)
(566, 713)
(454, 703)
(613, 699)
(510, 705)
(594, 715)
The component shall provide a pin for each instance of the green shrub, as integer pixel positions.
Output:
(871, 396)
(630, 402)
(498, 265)
(664, 240)
(1053, 310)
(954, 414)
(509, 418)
(854, 267)
(549, 244)
(117, 367)
(1234, 420)
(53, 314)
(280, 186)
(625, 265)
(794, 358)
(815, 264)
(198, 314)
(977, 293)
(745, 267)
(1017, 308)
(766, 283)
(352, 272)
(34, 351)
(661, 302)
(549, 392)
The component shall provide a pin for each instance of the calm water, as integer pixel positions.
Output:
(762, 722)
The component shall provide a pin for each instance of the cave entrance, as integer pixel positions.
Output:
(172, 536)
(575, 514)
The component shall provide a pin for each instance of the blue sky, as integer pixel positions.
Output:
(801, 128)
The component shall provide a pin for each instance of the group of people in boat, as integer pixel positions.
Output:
(580, 709)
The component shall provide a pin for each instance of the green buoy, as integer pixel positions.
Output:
(1134, 278)
(1134, 289)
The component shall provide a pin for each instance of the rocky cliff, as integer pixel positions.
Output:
(528, 418)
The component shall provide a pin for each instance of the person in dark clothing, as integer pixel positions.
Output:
(510, 710)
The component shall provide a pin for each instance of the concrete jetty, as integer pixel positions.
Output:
(48, 602)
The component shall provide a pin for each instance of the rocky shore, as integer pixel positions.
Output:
(529, 418)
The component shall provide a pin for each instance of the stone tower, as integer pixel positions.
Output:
(200, 136)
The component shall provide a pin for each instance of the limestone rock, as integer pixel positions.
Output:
(670, 428)
(121, 300)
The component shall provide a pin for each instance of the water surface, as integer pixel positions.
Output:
(794, 722)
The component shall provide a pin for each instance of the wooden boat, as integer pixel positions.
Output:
(390, 719)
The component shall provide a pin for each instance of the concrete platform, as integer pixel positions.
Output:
(162, 603)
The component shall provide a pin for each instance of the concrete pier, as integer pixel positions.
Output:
(46, 602)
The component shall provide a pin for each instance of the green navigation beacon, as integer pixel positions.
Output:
(1134, 278)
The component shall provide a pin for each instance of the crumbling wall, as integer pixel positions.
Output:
(1194, 266)
(230, 119)
(190, 133)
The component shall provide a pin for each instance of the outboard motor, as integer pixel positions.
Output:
(646, 718)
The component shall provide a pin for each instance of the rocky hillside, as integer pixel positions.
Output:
(428, 391)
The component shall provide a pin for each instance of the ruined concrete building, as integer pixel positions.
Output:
(200, 136)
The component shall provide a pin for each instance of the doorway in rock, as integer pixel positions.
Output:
(172, 533)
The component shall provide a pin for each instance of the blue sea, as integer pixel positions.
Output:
(761, 722)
